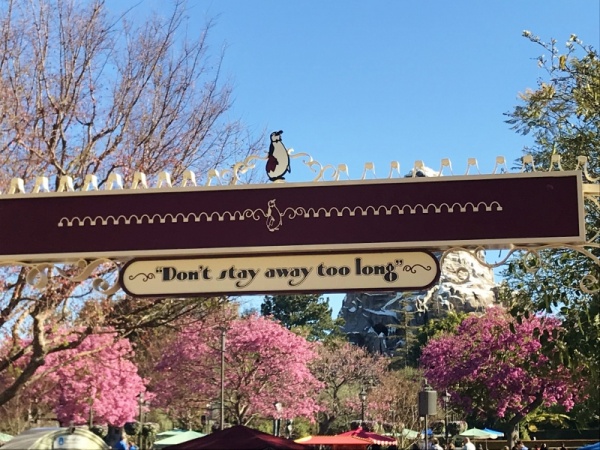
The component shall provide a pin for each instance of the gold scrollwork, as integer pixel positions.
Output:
(589, 283)
(39, 274)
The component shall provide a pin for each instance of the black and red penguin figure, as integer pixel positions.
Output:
(278, 161)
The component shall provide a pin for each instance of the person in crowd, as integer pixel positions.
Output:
(467, 444)
(521, 445)
(122, 444)
(562, 447)
(544, 446)
(450, 446)
(435, 445)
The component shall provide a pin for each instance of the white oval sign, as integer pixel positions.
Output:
(335, 272)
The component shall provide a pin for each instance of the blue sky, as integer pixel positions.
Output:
(380, 80)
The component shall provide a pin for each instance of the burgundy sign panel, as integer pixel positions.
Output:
(488, 210)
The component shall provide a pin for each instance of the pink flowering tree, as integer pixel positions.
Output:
(344, 369)
(393, 403)
(493, 368)
(264, 364)
(96, 380)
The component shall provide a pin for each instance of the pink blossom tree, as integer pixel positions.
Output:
(394, 401)
(344, 369)
(83, 92)
(96, 380)
(264, 363)
(493, 367)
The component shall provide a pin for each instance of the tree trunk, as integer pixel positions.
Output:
(512, 427)
(325, 424)
(512, 431)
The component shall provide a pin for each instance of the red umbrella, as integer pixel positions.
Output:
(333, 440)
(373, 437)
(238, 437)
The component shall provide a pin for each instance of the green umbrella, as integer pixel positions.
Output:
(476, 433)
(177, 438)
(410, 434)
(5, 437)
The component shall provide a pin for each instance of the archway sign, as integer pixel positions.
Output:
(331, 234)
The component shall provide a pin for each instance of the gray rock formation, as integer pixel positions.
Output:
(381, 321)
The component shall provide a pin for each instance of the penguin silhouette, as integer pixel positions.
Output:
(278, 161)
(273, 216)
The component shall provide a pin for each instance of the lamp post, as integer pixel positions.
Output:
(363, 397)
(223, 330)
(141, 419)
(446, 399)
(427, 406)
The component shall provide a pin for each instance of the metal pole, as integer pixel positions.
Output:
(222, 424)
(362, 412)
(141, 402)
(446, 419)
(363, 397)
(426, 445)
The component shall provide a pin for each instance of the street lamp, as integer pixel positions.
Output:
(446, 399)
(141, 419)
(427, 405)
(223, 330)
(363, 397)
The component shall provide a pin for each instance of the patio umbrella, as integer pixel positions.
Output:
(476, 433)
(595, 446)
(410, 434)
(177, 438)
(497, 433)
(373, 437)
(333, 440)
(169, 433)
(238, 437)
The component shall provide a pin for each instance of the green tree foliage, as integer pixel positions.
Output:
(563, 116)
(308, 315)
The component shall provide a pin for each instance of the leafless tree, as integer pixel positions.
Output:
(82, 92)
